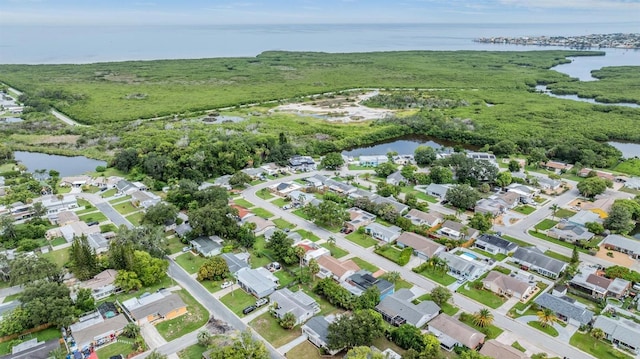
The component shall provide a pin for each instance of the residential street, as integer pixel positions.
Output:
(106, 208)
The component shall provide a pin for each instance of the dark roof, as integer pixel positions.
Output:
(39, 351)
(498, 242)
(320, 326)
(233, 262)
(564, 308)
(364, 280)
(537, 258)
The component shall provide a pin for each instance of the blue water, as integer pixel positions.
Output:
(67, 166)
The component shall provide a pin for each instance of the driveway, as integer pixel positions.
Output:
(151, 336)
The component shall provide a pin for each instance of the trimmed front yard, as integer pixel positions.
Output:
(196, 317)
(556, 241)
(558, 256)
(135, 218)
(305, 350)
(264, 194)
(268, 326)
(109, 193)
(483, 296)
(336, 251)
(300, 213)
(243, 203)
(599, 349)
(365, 265)
(237, 300)
(549, 330)
(517, 241)
(261, 212)
(546, 224)
(490, 331)
(524, 209)
(59, 257)
(282, 224)
(308, 235)
(193, 352)
(58, 241)
(438, 276)
(125, 208)
(190, 262)
(564, 213)
(361, 239)
(280, 202)
(93, 217)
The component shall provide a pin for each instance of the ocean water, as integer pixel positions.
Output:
(85, 44)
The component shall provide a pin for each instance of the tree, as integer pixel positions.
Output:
(424, 155)
(128, 280)
(619, 219)
(554, 209)
(363, 352)
(546, 317)
(481, 221)
(126, 159)
(575, 256)
(623, 273)
(504, 148)
(282, 248)
(156, 355)
(331, 240)
(8, 228)
(385, 169)
(332, 161)
(84, 261)
(288, 320)
(299, 252)
(462, 196)
(369, 299)
(408, 336)
(149, 239)
(392, 276)
(239, 179)
(48, 302)
(215, 268)
(33, 269)
(149, 270)
(514, 166)
(483, 318)
(536, 156)
(204, 338)
(598, 335)
(593, 186)
(314, 267)
(360, 328)
(85, 301)
(441, 175)
(335, 293)
(39, 210)
(440, 295)
(131, 330)
(594, 227)
(160, 214)
(244, 346)
(328, 213)
(504, 179)
(472, 354)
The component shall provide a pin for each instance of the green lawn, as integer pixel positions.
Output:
(120, 199)
(550, 330)
(361, 239)
(419, 194)
(490, 331)
(358, 168)
(11, 298)
(43, 336)
(83, 203)
(447, 307)
(483, 296)
(524, 209)
(519, 242)
(109, 193)
(518, 346)
(212, 285)
(498, 257)
(58, 241)
(166, 282)
(264, 194)
(280, 202)
(243, 203)
(109, 227)
(125, 208)
(599, 349)
(193, 352)
(59, 257)
(546, 224)
(268, 326)
(558, 256)
(284, 277)
(87, 210)
(237, 300)
(114, 349)
(336, 251)
(300, 213)
(261, 212)
(190, 262)
(135, 218)
(365, 265)
(521, 306)
(391, 253)
(282, 224)
(305, 350)
(173, 245)
(556, 241)
(195, 318)
(93, 217)
(564, 213)
(401, 283)
(308, 235)
(438, 276)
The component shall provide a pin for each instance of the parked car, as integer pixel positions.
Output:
(226, 284)
(286, 207)
(273, 266)
(262, 301)
(249, 309)
(186, 249)
(93, 223)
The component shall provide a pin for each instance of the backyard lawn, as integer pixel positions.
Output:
(599, 349)
(114, 349)
(336, 251)
(437, 276)
(308, 235)
(237, 300)
(243, 202)
(483, 296)
(261, 212)
(546, 224)
(196, 317)
(93, 217)
(550, 330)
(135, 218)
(361, 239)
(447, 308)
(59, 257)
(268, 326)
(365, 265)
(190, 262)
(58, 241)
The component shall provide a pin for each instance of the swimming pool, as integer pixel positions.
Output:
(468, 256)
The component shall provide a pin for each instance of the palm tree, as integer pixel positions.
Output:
(597, 334)
(331, 240)
(483, 318)
(554, 209)
(546, 316)
(392, 277)
(299, 251)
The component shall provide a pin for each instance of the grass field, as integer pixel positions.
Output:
(498, 257)
(280, 202)
(120, 199)
(108, 193)
(599, 349)
(447, 307)
(125, 208)
(268, 326)
(58, 241)
(308, 235)
(190, 262)
(558, 256)
(491, 331)
(361, 239)
(173, 244)
(93, 217)
(524, 209)
(438, 276)
(282, 224)
(630, 166)
(391, 253)
(517, 241)
(300, 213)
(518, 346)
(196, 317)
(59, 257)
(135, 218)
(556, 241)
(261, 212)
(193, 352)
(243, 203)
(564, 213)
(365, 265)
(264, 195)
(546, 224)
(305, 350)
(483, 296)
(237, 300)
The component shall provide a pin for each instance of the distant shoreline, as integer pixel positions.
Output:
(584, 42)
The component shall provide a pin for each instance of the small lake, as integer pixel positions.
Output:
(11, 120)
(67, 166)
(405, 145)
(628, 149)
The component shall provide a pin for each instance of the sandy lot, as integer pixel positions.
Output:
(338, 109)
(618, 258)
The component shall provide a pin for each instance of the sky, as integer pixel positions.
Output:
(228, 12)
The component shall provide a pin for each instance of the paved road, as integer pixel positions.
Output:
(106, 208)
(551, 345)
(66, 119)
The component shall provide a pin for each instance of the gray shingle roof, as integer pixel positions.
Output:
(539, 259)
(562, 307)
(397, 305)
(233, 262)
(622, 330)
(497, 242)
(623, 242)
(320, 326)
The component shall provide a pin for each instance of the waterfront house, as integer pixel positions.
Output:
(494, 244)
(398, 309)
(482, 156)
(423, 247)
(54, 204)
(565, 309)
(533, 259)
(382, 232)
(452, 332)
(302, 306)
(372, 161)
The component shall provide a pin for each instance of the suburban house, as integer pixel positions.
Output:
(404, 160)
(397, 309)
(621, 332)
(548, 183)
(236, 261)
(494, 244)
(94, 330)
(372, 161)
(222, 181)
(452, 332)
(99, 242)
(33, 349)
(155, 307)
(334, 268)
(583, 217)
(302, 306)
(271, 231)
(569, 232)
(144, 199)
(457, 231)
(317, 331)
(494, 349)
(396, 179)
(360, 281)
(302, 163)
(622, 244)
(338, 187)
(482, 156)
(526, 193)
(71, 231)
(270, 168)
(498, 203)
(437, 190)
(461, 267)
(254, 173)
(589, 282)
(584, 172)
(423, 247)
(565, 309)
(207, 246)
(126, 187)
(420, 218)
(400, 208)
(183, 229)
(242, 212)
(261, 224)
(284, 188)
(508, 286)
(101, 285)
(300, 197)
(556, 167)
(382, 232)
(63, 218)
(258, 282)
(533, 259)
(54, 204)
(358, 218)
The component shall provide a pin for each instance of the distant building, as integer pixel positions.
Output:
(373, 161)
(420, 218)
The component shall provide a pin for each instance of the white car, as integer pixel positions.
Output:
(226, 284)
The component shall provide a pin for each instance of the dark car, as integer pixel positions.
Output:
(92, 223)
(248, 309)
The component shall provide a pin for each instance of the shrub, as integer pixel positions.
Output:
(405, 256)
(101, 169)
